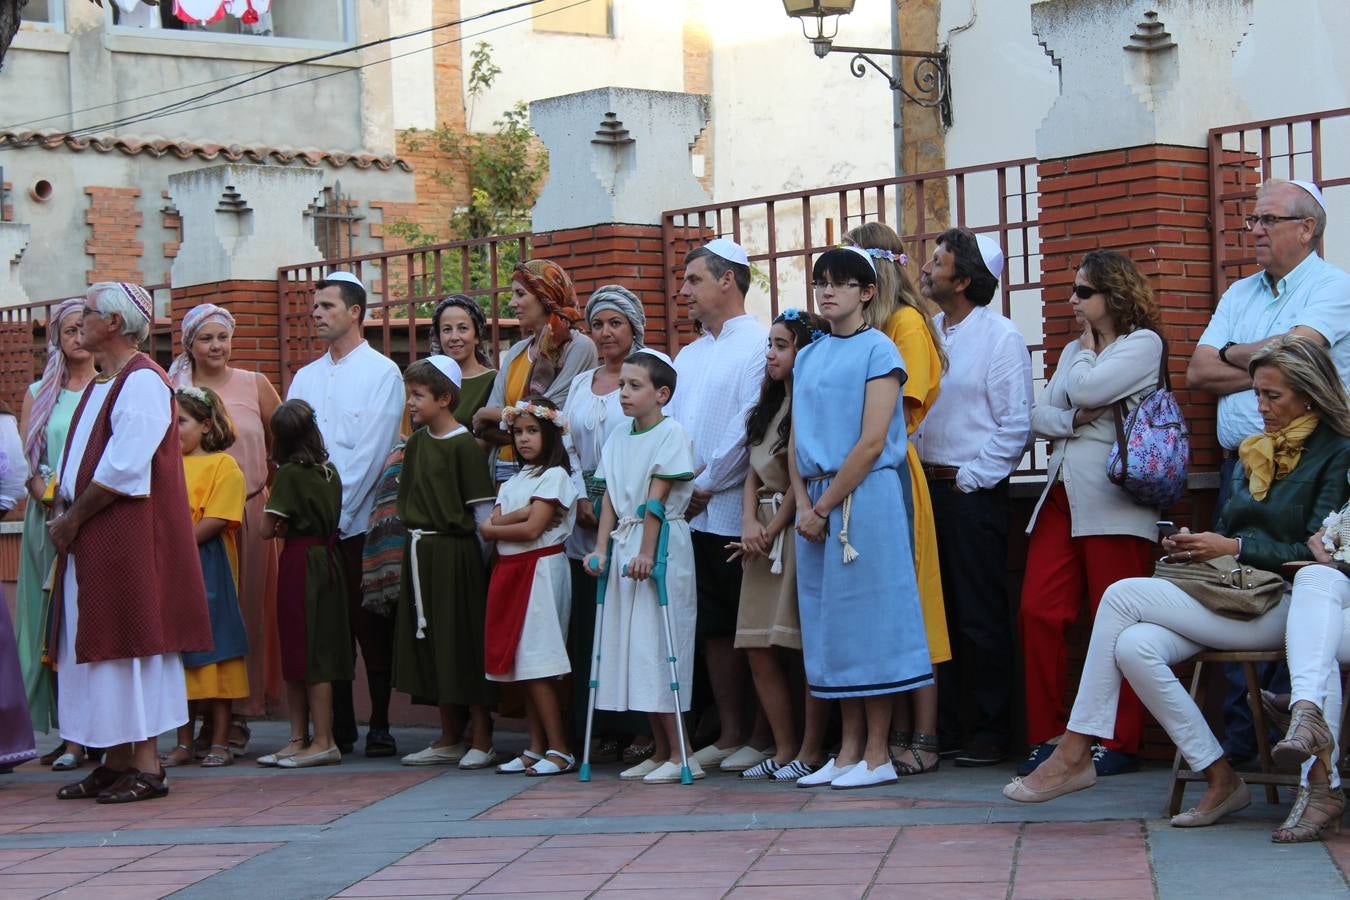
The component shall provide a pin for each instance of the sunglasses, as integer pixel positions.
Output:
(1083, 292)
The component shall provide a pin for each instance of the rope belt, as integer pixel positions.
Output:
(775, 502)
(850, 554)
(417, 534)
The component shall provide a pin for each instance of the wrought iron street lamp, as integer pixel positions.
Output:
(931, 85)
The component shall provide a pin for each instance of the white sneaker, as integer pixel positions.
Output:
(711, 756)
(860, 776)
(640, 771)
(745, 758)
(435, 756)
(822, 776)
(478, 759)
(669, 772)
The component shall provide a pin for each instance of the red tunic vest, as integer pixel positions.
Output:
(141, 588)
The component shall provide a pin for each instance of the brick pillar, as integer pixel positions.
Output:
(113, 219)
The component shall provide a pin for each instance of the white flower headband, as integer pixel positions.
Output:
(521, 408)
(196, 393)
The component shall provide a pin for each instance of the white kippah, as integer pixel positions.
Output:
(992, 254)
(728, 250)
(447, 366)
(658, 354)
(344, 276)
(1314, 190)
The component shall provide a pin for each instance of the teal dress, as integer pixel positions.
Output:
(36, 558)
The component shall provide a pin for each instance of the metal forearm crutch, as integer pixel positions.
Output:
(602, 582)
(658, 509)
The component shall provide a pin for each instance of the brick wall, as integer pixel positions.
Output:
(113, 220)
(254, 306)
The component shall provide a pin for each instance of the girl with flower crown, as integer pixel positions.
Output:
(767, 625)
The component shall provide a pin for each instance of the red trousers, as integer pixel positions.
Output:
(1063, 572)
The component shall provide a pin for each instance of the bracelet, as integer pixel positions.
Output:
(1238, 555)
(819, 515)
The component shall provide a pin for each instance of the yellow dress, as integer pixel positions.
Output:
(216, 488)
(910, 333)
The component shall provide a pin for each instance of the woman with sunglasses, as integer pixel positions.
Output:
(1086, 532)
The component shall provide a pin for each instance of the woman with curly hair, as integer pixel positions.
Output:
(544, 362)
(1086, 532)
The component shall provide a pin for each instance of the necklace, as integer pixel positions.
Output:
(109, 376)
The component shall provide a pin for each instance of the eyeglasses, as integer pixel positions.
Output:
(834, 285)
(1083, 292)
(1269, 221)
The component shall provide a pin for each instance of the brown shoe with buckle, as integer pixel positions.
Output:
(90, 786)
(136, 785)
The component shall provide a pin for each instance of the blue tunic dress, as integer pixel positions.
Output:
(862, 627)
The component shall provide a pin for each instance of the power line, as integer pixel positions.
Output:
(186, 103)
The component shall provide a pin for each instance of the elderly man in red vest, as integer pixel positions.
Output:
(129, 597)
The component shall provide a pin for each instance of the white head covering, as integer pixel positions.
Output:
(658, 354)
(1314, 190)
(863, 253)
(992, 254)
(448, 367)
(728, 250)
(344, 276)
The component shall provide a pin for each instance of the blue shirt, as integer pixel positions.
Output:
(1315, 295)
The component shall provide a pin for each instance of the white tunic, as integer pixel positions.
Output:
(542, 652)
(634, 673)
(591, 419)
(103, 704)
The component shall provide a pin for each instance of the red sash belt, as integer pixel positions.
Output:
(508, 598)
(292, 624)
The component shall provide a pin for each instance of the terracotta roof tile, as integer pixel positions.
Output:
(157, 147)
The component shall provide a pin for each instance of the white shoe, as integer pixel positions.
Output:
(669, 772)
(860, 776)
(478, 759)
(745, 758)
(711, 756)
(435, 756)
(517, 764)
(822, 776)
(640, 771)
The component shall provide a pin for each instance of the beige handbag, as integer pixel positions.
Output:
(1225, 586)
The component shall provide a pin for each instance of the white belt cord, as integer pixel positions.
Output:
(417, 534)
(774, 503)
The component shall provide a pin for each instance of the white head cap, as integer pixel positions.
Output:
(658, 354)
(991, 253)
(447, 366)
(728, 250)
(863, 253)
(344, 276)
(1314, 190)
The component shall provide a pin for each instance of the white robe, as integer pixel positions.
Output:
(103, 704)
(634, 673)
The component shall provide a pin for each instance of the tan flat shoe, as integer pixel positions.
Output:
(1082, 780)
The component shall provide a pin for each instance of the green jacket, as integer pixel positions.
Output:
(1275, 530)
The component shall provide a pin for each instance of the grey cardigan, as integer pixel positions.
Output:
(1126, 369)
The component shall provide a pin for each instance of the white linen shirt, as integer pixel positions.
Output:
(358, 402)
(1315, 294)
(981, 422)
(719, 379)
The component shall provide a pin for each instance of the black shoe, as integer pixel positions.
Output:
(1039, 754)
(345, 749)
(950, 747)
(1112, 762)
(981, 752)
(380, 742)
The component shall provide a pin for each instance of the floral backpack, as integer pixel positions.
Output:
(1153, 446)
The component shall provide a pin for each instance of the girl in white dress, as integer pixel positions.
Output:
(530, 595)
(649, 464)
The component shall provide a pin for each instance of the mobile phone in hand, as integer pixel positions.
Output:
(1166, 529)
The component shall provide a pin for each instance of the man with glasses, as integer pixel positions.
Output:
(970, 443)
(1296, 292)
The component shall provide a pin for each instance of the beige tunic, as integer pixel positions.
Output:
(768, 610)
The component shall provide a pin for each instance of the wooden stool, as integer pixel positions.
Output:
(1267, 776)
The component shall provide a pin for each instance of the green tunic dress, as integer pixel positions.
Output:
(473, 395)
(441, 477)
(313, 619)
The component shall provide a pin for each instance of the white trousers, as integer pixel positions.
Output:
(1317, 641)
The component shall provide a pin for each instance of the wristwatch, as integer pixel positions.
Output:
(1223, 353)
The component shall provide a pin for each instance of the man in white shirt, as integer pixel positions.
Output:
(970, 443)
(357, 395)
(720, 376)
(1296, 292)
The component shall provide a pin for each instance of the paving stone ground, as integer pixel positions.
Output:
(372, 828)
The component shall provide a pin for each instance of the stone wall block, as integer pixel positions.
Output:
(13, 240)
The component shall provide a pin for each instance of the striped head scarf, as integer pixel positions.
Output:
(181, 370)
(550, 284)
(54, 378)
(625, 303)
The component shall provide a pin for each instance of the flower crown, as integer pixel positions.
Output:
(793, 314)
(878, 253)
(521, 408)
(196, 393)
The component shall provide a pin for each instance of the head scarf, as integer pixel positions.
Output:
(549, 283)
(1270, 456)
(54, 377)
(480, 327)
(196, 318)
(625, 303)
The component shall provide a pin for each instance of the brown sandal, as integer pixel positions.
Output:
(136, 785)
(91, 785)
(220, 755)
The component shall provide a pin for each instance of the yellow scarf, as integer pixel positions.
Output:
(1269, 457)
